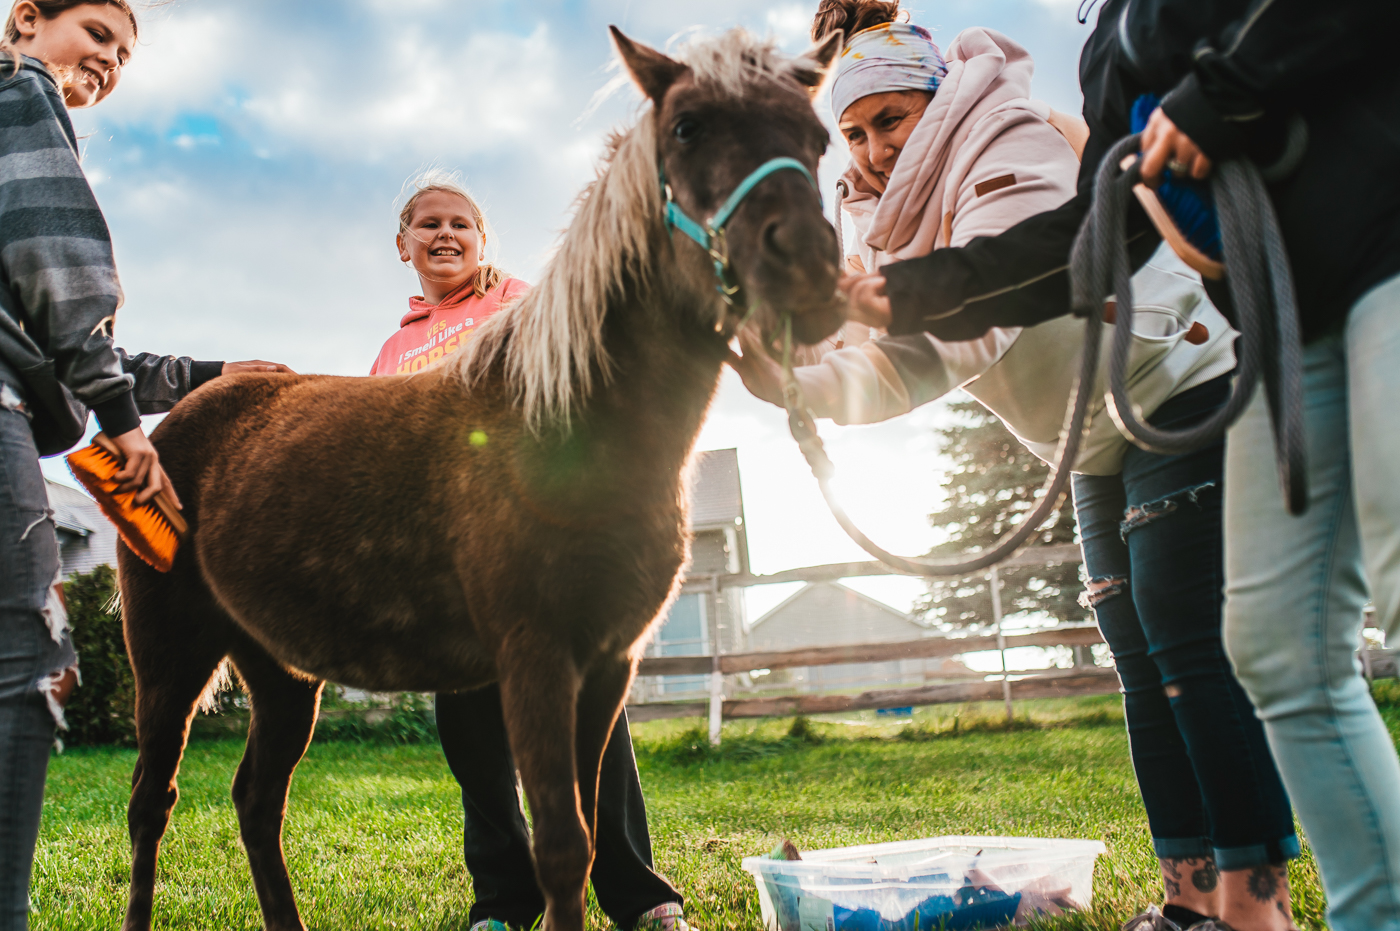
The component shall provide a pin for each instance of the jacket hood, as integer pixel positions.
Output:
(418, 308)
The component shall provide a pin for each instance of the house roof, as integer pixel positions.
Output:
(715, 495)
(830, 614)
(73, 511)
(86, 538)
(811, 588)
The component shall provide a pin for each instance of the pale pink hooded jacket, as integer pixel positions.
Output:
(983, 158)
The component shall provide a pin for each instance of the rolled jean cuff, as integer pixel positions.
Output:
(1182, 848)
(1242, 858)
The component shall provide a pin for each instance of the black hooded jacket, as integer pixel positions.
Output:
(1233, 74)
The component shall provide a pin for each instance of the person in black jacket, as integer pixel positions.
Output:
(1235, 90)
(1307, 91)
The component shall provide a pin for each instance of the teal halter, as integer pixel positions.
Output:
(710, 237)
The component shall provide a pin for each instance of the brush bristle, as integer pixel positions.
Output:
(142, 526)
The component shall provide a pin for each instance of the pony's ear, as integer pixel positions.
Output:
(653, 72)
(823, 54)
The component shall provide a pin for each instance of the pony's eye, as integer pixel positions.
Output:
(686, 130)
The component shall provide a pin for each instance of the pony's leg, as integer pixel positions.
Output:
(599, 703)
(539, 698)
(283, 718)
(175, 650)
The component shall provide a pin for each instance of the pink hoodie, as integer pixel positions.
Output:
(429, 332)
(983, 158)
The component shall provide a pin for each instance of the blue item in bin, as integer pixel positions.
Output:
(1190, 202)
(857, 919)
(969, 909)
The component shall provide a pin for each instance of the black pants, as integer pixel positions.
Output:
(1152, 537)
(496, 839)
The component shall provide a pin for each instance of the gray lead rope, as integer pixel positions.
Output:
(1261, 286)
(803, 426)
(842, 192)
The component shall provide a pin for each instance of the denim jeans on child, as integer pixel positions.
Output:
(496, 840)
(1295, 589)
(1152, 541)
(29, 653)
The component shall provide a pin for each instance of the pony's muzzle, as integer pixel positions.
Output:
(797, 272)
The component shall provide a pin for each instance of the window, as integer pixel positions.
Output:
(685, 632)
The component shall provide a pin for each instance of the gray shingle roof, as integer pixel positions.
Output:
(715, 496)
(86, 539)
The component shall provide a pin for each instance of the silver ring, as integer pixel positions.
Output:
(1177, 167)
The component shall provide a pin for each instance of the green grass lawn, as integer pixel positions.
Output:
(373, 832)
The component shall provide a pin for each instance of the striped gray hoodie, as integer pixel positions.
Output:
(59, 290)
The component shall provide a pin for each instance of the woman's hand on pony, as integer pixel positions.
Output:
(141, 471)
(1165, 146)
(867, 301)
(254, 365)
(761, 373)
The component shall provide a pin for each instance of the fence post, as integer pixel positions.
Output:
(994, 580)
(716, 677)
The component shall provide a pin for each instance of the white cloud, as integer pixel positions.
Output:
(493, 93)
(184, 60)
(791, 25)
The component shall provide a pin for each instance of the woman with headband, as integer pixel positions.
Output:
(946, 151)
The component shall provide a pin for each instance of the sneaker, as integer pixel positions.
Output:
(1150, 920)
(490, 924)
(667, 917)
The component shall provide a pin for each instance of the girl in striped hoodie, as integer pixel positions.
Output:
(59, 295)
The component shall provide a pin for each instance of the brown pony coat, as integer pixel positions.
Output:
(518, 515)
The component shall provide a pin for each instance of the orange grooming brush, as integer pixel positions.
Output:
(153, 530)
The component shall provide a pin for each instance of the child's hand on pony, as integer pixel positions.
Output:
(141, 471)
(254, 365)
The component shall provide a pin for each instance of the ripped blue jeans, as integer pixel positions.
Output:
(33, 647)
(1153, 551)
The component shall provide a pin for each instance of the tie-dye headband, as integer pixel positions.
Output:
(889, 57)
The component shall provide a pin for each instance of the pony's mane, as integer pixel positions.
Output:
(551, 340)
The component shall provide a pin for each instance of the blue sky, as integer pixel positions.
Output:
(248, 166)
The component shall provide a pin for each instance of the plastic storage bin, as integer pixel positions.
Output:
(926, 885)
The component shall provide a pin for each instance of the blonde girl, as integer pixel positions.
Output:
(442, 236)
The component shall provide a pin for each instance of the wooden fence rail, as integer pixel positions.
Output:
(1058, 683)
(923, 648)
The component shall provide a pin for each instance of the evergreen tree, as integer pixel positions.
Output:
(103, 709)
(994, 483)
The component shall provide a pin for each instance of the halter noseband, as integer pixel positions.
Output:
(710, 237)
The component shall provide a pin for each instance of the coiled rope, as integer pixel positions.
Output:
(1099, 266)
(1261, 287)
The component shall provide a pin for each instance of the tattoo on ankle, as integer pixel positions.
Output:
(1285, 911)
(1207, 877)
(1263, 882)
(1171, 875)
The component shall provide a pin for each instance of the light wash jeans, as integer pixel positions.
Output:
(1295, 589)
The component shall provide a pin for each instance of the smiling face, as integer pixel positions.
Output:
(877, 127)
(442, 241)
(88, 45)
